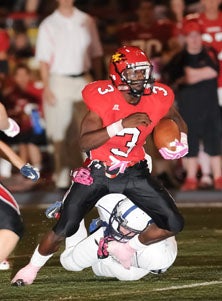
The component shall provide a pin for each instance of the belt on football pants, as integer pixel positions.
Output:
(111, 174)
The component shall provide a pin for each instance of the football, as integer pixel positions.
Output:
(165, 132)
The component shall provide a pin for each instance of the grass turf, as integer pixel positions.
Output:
(195, 275)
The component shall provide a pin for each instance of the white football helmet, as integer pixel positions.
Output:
(127, 220)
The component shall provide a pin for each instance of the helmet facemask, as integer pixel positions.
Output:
(123, 223)
(137, 77)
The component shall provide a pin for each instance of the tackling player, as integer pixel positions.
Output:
(120, 220)
(122, 113)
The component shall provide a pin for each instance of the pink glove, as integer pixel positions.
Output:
(102, 251)
(122, 252)
(82, 175)
(13, 128)
(181, 149)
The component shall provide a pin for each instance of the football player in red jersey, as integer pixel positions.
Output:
(122, 113)
(159, 40)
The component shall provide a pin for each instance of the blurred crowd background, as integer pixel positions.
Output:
(157, 29)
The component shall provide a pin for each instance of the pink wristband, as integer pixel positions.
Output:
(114, 128)
(13, 128)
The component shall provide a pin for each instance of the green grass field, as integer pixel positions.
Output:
(196, 274)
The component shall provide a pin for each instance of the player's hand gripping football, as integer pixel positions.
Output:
(30, 172)
(136, 119)
(180, 151)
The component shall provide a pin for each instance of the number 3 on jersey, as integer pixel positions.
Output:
(134, 132)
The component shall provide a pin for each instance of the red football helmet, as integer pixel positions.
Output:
(130, 69)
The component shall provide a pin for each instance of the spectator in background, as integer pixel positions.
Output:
(68, 48)
(21, 48)
(211, 26)
(23, 104)
(193, 72)
(176, 10)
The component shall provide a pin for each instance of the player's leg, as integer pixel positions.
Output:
(149, 195)
(84, 254)
(109, 267)
(76, 237)
(66, 258)
(49, 244)
(190, 162)
(35, 155)
(9, 240)
(212, 145)
(11, 226)
(157, 257)
(206, 172)
(73, 211)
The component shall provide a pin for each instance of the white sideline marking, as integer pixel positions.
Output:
(188, 286)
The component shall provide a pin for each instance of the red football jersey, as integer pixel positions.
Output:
(212, 35)
(108, 102)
